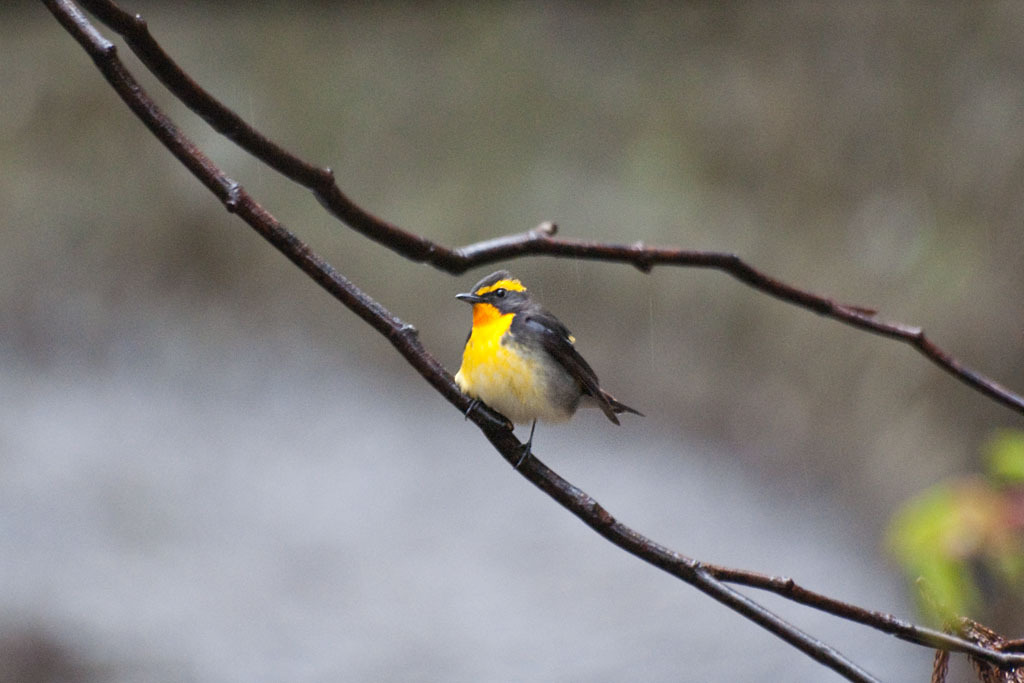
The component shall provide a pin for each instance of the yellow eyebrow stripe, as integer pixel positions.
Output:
(510, 285)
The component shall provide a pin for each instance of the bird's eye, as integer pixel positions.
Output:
(500, 293)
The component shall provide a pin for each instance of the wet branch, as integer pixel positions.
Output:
(539, 241)
(710, 579)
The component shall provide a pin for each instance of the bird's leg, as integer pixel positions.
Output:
(526, 448)
(472, 404)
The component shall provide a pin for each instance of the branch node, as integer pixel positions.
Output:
(408, 330)
(859, 310)
(604, 517)
(233, 196)
(324, 188)
(545, 229)
(642, 261)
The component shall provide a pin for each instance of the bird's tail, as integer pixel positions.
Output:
(611, 406)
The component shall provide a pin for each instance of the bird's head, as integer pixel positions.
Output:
(496, 295)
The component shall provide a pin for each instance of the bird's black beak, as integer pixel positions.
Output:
(470, 298)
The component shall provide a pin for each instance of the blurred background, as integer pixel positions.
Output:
(211, 471)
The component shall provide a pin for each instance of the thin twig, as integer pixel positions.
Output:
(539, 241)
(710, 579)
(882, 621)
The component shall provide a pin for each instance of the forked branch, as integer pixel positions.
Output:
(539, 241)
(710, 579)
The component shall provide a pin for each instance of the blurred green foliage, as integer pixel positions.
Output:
(961, 539)
(1005, 457)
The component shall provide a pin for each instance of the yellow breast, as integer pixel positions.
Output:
(506, 376)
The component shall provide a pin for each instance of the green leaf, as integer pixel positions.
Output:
(924, 537)
(1004, 454)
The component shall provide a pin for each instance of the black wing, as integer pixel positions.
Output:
(555, 338)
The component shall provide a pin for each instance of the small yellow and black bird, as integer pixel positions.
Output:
(521, 360)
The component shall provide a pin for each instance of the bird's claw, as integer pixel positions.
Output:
(523, 457)
(491, 414)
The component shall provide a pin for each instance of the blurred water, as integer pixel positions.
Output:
(259, 511)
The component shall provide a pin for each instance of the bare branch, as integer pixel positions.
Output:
(539, 241)
(710, 579)
(881, 621)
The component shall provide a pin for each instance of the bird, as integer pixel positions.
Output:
(522, 362)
